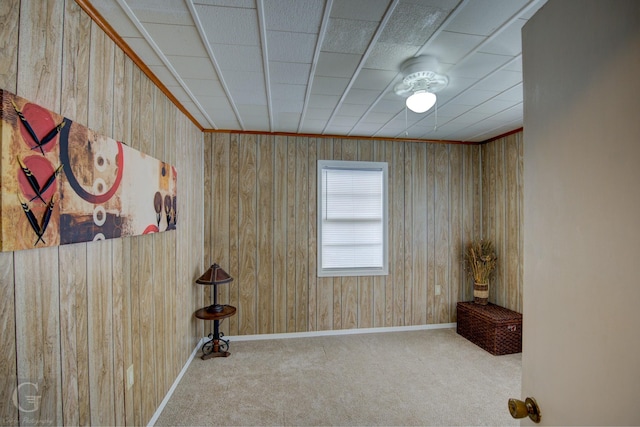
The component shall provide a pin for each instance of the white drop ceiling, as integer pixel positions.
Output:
(328, 67)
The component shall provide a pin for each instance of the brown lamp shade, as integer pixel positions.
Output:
(214, 276)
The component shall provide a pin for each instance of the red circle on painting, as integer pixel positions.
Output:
(41, 122)
(42, 170)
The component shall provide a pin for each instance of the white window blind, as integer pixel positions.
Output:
(352, 218)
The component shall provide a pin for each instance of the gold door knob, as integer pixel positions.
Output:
(520, 409)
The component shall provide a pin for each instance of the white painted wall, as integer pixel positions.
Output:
(581, 356)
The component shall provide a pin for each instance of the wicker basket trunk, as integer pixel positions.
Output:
(496, 329)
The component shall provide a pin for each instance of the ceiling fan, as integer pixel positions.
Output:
(420, 83)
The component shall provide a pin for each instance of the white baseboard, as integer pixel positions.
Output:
(338, 332)
(160, 408)
(153, 419)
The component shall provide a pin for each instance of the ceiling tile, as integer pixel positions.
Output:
(369, 78)
(508, 42)
(313, 126)
(329, 85)
(324, 101)
(478, 65)
(390, 56)
(287, 105)
(190, 67)
(238, 58)
(161, 11)
(412, 23)
(318, 113)
(286, 92)
(348, 36)
(449, 47)
(493, 106)
(118, 19)
(483, 17)
(230, 25)
(512, 94)
(302, 16)
(177, 39)
(473, 97)
(205, 87)
(291, 47)
(288, 121)
(361, 96)
(390, 106)
(249, 4)
(352, 110)
(289, 72)
(349, 9)
(337, 64)
(499, 81)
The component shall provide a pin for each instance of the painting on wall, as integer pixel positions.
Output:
(63, 183)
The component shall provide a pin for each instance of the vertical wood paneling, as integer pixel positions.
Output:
(37, 301)
(10, 18)
(73, 326)
(234, 218)
(73, 286)
(159, 252)
(8, 368)
(302, 235)
(75, 317)
(38, 333)
(435, 204)
(247, 232)
(134, 270)
(99, 255)
(264, 223)
(291, 306)
(456, 213)
(421, 213)
(443, 220)
(219, 240)
(431, 265)
(280, 238)
(312, 314)
(501, 213)
(410, 180)
(397, 233)
(99, 295)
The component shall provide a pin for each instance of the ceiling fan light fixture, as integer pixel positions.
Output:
(420, 83)
(421, 101)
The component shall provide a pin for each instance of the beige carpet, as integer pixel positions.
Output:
(430, 377)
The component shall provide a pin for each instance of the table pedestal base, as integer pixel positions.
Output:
(215, 347)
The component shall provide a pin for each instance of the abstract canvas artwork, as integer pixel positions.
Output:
(63, 183)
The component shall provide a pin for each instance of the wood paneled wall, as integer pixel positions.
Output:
(75, 317)
(260, 225)
(502, 216)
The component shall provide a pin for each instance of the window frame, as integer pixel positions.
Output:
(354, 165)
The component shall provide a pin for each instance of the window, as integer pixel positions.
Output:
(352, 218)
